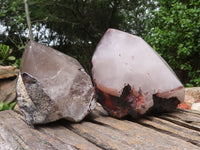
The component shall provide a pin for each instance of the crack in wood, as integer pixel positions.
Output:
(99, 131)
(187, 139)
(85, 137)
(181, 123)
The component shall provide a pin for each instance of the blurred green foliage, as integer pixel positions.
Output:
(75, 28)
(7, 106)
(6, 57)
(174, 31)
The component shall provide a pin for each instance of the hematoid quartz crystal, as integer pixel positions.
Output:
(131, 78)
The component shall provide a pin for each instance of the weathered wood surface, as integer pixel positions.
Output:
(8, 71)
(175, 131)
(7, 90)
(8, 76)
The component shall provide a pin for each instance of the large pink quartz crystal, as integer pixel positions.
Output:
(131, 78)
(52, 85)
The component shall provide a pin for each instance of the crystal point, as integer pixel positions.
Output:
(131, 78)
(52, 85)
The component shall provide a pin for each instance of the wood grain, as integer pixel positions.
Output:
(179, 130)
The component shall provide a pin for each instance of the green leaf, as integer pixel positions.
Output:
(12, 105)
(1, 106)
(5, 48)
(6, 106)
(11, 58)
(189, 85)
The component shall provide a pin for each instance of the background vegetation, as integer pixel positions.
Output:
(7, 106)
(75, 27)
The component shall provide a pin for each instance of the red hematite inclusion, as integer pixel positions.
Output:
(131, 78)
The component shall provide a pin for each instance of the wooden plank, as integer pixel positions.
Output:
(8, 71)
(185, 118)
(104, 137)
(172, 129)
(19, 135)
(4, 145)
(148, 138)
(63, 134)
(186, 115)
(131, 134)
(99, 131)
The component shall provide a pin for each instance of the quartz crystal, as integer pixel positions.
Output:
(52, 85)
(132, 78)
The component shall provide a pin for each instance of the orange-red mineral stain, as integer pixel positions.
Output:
(109, 103)
(129, 102)
(183, 105)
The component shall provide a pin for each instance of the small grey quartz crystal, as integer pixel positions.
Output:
(131, 78)
(52, 85)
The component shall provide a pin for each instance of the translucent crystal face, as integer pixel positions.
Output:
(47, 65)
(123, 59)
(54, 82)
